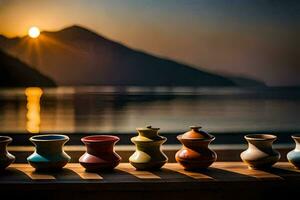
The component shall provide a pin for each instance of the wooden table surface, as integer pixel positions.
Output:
(171, 179)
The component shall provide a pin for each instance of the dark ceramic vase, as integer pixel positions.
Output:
(5, 157)
(148, 154)
(195, 154)
(49, 153)
(100, 154)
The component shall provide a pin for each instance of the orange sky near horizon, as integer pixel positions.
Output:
(202, 35)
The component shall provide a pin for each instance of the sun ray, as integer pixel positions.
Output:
(46, 40)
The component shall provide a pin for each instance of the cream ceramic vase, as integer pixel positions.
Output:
(294, 155)
(148, 155)
(260, 153)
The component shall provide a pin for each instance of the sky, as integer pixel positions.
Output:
(253, 38)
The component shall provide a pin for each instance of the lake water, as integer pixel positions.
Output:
(121, 110)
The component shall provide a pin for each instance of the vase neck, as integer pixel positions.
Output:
(297, 141)
(196, 143)
(260, 144)
(49, 147)
(148, 147)
(96, 148)
(3, 147)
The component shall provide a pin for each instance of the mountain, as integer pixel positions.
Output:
(247, 82)
(14, 73)
(78, 56)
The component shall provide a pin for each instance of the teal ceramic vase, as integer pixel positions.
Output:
(5, 157)
(294, 155)
(148, 155)
(49, 153)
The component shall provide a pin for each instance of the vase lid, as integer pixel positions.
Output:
(148, 132)
(148, 128)
(196, 133)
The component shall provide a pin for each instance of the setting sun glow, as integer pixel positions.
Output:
(34, 32)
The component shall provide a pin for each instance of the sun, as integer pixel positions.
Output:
(34, 32)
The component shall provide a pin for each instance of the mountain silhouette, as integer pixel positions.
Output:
(246, 82)
(14, 73)
(78, 56)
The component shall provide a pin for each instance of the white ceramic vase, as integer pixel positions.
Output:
(294, 155)
(260, 153)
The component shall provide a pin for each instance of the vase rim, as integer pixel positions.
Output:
(5, 139)
(260, 137)
(100, 138)
(48, 138)
(179, 137)
(296, 136)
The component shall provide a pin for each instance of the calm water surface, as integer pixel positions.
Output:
(121, 110)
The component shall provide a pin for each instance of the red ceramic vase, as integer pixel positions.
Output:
(100, 154)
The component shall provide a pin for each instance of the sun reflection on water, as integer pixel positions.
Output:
(33, 95)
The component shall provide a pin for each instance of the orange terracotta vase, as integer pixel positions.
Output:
(195, 154)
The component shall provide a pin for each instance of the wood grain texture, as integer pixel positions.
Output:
(80, 171)
(139, 174)
(30, 172)
(219, 171)
(223, 180)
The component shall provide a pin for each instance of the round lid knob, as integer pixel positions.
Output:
(196, 133)
(150, 127)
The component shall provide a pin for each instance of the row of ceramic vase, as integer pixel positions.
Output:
(100, 155)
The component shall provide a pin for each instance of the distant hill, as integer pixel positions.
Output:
(78, 56)
(14, 73)
(247, 82)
